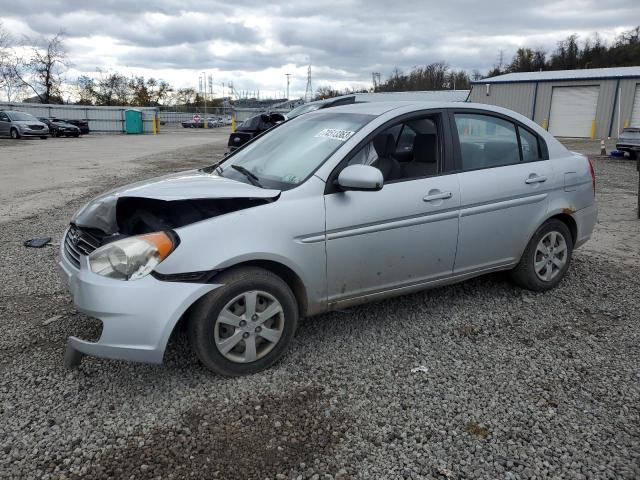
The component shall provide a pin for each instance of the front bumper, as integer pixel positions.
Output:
(27, 132)
(137, 316)
(628, 147)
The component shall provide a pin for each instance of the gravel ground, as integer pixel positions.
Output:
(514, 384)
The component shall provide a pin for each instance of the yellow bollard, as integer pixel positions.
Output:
(545, 124)
(233, 124)
(626, 123)
(154, 126)
(593, 129)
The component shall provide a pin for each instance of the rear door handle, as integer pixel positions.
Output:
(437, 196)
(535, 179)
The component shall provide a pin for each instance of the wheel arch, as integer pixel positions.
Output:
(290, 277)
(566, 218)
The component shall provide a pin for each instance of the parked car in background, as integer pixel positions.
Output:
(216, 122)
(83, 125)
(193, 123)
(20, 124)
(252, 127)
(629, 141)
(332, 209)
(319, 105)
(58, 128)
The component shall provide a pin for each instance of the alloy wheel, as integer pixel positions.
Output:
(249, 326)
(550, 256)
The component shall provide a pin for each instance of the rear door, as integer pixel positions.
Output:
(505, 179)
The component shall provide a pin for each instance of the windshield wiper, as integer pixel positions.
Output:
(216, 167)
(252, 177)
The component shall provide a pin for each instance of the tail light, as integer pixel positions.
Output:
(593, 176)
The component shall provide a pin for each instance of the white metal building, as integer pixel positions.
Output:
(589, 103)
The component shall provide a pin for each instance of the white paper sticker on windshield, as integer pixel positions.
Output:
(335, 133)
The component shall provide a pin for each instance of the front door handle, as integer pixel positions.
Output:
(437, 195)
(533, 178)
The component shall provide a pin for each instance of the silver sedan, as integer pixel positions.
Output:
(335, 208)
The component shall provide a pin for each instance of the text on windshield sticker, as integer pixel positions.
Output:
(335, 133)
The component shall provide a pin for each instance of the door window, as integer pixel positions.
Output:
(530, 146)
(486, 141)
(404, 151)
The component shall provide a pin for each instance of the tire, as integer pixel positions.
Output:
(525, 274)
(632, 154)
(207, 334)
(15, 134)
(44, 137)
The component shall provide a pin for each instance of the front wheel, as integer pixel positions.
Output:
(15, 134)
(246, 325)
(44, 137)
(546, 258)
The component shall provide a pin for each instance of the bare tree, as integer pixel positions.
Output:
(43, 72)
(9, 82)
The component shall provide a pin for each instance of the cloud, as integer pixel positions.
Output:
(256, 42)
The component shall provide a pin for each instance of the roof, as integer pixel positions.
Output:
(417, 96)
(555, 75)
(380, 108)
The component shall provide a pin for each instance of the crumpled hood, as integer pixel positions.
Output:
(100, 213)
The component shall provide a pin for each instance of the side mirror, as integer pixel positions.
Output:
(360, 177)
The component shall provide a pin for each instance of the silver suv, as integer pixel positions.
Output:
(20, 124)
(334, 208)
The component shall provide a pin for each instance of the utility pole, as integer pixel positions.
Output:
(308, 94)
(288, 75)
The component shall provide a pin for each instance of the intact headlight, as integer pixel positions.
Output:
(133, 257)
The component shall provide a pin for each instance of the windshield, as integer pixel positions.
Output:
(21, 117)
(303, 109)
(630, 133)
(287, 155)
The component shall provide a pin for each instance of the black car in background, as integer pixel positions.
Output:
(83, 125)
(254, 126)
(59, 128)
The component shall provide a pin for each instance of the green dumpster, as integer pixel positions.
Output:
(132, 121)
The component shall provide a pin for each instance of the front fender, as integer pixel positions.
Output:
(289, 231)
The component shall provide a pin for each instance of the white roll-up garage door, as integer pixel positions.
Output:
(635, 113)
(573, 110)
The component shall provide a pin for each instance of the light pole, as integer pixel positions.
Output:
(204, 81)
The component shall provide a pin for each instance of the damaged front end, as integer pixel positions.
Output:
(115, 242)
(169, 202)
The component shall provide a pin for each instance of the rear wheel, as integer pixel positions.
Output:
(633, 154)
(246, 325)
(15, 134)
(546, 258)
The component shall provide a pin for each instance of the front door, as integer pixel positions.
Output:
(402, 235)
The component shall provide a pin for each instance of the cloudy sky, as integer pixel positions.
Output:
(254, 43)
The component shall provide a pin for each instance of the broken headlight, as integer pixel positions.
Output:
(133, 257)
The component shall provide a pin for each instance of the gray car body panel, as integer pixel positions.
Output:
(346, 247)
